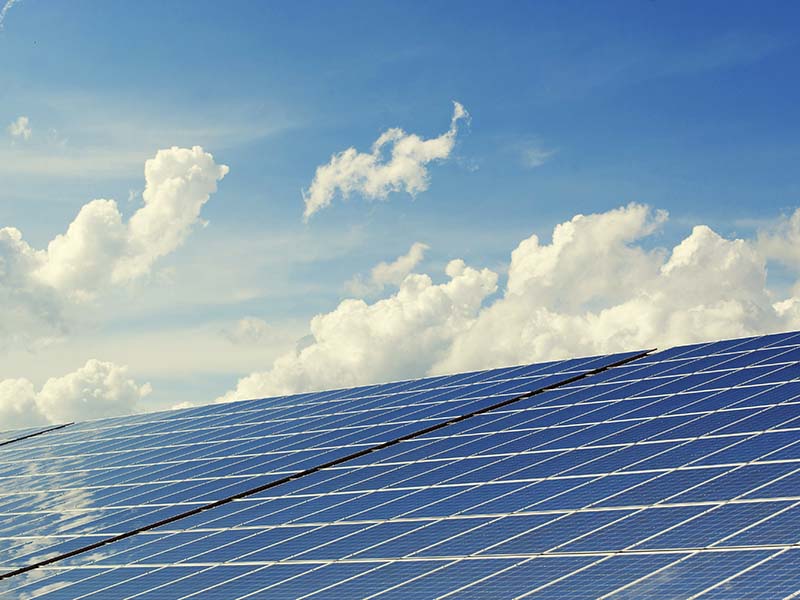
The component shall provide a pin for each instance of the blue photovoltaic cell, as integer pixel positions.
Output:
(674, 475)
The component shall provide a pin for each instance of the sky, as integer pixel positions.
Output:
(206, 202)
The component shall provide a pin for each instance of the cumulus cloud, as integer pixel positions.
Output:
(96, 390)
(398, 336)
(606, 294)
(21, 127)
(373, 175)
(782, 242)
(385, 274)
(594, 287)
(99, 248)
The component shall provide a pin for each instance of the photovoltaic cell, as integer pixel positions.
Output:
(671, 476)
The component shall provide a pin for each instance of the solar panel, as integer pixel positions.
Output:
(673, 475)
(90, 482)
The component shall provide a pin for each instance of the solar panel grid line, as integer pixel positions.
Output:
(342, 582)
(730, 578)
(712, 547)
(603, 556)
(445, 557)
(626, 358)
(689, 520)
(643, 578)
(165, 584)
(398, 585)
(473, 583)
(636, 582)
(557, 580)
(227, 581)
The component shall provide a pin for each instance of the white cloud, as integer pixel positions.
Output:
(386, 274)
(249, 330)
(4, 11)
(534, 156)
(395, 337)
(21, 128)
(782, 241)
(372, 175)
(99, 249)
(96, 390)
(594, 288)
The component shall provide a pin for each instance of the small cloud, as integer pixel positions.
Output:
(385, 274)
(373, 176)
(531, 152)
(54, 138)
(21, 128)
(534, 156)
(249, 330)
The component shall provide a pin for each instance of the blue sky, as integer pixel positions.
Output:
(575, 108)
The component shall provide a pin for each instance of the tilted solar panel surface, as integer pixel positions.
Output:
(673, 474)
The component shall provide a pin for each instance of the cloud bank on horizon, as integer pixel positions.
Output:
(372, 175)
(592, 289)
(596, 286)
(96, 390)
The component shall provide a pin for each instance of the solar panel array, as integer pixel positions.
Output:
(674, 474)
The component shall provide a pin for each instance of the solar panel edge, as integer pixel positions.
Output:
(626, 358)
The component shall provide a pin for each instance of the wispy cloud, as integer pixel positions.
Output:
(4, 11)
(81, 135)
(534, 156)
